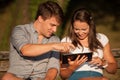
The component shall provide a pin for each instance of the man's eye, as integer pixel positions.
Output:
(83, 29)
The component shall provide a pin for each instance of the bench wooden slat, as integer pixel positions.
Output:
(4, 58)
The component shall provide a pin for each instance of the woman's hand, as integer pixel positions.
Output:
(77, 62)
(66, 71)
(96, 61)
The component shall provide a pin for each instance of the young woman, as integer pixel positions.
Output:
(82, 33)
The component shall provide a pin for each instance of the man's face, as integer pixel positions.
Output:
(49, 27)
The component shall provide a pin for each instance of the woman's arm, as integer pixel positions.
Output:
(66, 72)
(51, 74)
(108, 60)
(73, 65)
(108, 56)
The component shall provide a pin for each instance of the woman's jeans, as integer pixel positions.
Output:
(83, 74)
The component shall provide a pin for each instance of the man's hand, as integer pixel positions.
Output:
(63, 47)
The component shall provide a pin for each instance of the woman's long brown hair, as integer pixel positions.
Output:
(84, 16)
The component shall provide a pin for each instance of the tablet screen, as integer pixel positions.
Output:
(64, 57)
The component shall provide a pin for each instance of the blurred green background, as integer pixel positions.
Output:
(106, 16)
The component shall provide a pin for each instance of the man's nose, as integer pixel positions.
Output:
(54, 29)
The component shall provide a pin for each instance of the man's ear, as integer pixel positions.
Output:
(40, 19)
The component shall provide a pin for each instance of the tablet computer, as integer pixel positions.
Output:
(64, 57)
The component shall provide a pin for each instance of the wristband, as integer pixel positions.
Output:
(106, 64)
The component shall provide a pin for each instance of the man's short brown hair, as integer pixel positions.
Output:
(49, 9)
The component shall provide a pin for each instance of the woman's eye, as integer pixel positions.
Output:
(76, 29)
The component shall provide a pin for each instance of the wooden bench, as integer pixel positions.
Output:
(116, 53)
(4, 63)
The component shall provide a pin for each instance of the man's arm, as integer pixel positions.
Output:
(39, 49)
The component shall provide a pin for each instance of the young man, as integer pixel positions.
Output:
(34, 49)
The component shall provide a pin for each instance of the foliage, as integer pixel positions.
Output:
(107, 17)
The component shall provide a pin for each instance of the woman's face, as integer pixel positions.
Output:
(81, 29)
